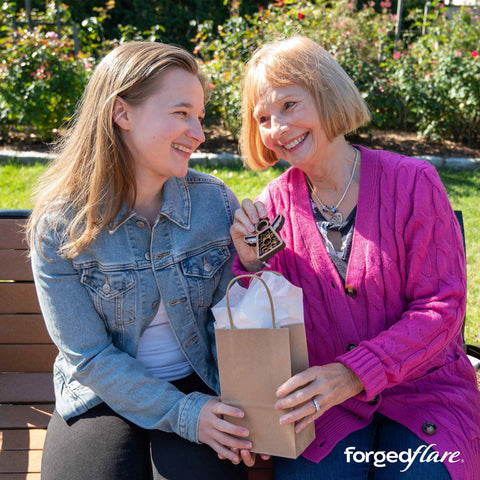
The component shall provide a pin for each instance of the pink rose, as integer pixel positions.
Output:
(397, 55)
(301, 16)
(474, 54)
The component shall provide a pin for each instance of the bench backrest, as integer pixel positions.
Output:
(24, 342)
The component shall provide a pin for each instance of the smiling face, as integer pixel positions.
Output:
(289, 124)
(163, 131)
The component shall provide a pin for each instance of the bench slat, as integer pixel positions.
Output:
(18, 298)
(27, 358)
(23, 329)
(26, 388)
(20, 476)
(27, 461)
(25, 416)
(12, 234)
(25, 439)
(15, 265)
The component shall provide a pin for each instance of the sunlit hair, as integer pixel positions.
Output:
(299, 61)
(93, 174)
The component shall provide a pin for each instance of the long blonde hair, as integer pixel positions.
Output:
(299, 60)
(93, 175)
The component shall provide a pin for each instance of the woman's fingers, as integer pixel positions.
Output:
(248, 216)
(305, 421)
(220, 434)
(254, 210)
(242, 223)
(225, 453)
(294, 383)
(232, 442)
(248, 457)
(303, 411)
(221, 408)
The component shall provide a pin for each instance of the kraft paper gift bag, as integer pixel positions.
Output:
(253, 362)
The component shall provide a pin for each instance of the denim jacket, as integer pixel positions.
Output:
(98, 305)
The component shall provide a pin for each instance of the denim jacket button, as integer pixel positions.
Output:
(207, 267)
(106, 288)
(140, 224)
(147, 256)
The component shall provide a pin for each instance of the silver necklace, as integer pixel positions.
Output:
(337, 217)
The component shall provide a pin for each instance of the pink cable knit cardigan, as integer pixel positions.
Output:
(402, 306)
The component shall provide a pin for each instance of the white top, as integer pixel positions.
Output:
(159, 352)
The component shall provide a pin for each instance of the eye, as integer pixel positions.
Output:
(262, 120)
(289, 105)
(181, 113)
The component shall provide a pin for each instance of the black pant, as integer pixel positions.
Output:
(102, 445)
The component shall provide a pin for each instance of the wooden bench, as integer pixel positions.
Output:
(26, 359)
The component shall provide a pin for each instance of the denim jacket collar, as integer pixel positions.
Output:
(176, 206)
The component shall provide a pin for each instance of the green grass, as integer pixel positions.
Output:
(463, 189)
(16, 181)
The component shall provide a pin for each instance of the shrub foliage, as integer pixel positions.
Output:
(428, 82)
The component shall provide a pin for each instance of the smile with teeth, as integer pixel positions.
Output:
(294, 143)
(181, 148)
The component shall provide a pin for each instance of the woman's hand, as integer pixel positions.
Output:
(248, 457)
(219, 434)
(244, 224)
(329, 385)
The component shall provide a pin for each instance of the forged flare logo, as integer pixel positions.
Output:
(423, 454)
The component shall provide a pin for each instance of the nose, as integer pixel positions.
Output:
(278, 127)
(196, 131)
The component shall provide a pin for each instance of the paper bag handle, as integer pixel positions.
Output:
(251, 276)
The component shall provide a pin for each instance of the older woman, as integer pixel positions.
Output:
(372, 240)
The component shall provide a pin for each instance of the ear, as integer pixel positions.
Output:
(121, 113)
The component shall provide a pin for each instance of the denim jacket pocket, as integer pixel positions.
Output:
(203, 272)
(112, 293)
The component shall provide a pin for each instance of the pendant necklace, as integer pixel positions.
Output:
(337, 217)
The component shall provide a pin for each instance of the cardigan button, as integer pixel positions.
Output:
(374, 400)
(429, 428)
(351, 291)
(350, 347)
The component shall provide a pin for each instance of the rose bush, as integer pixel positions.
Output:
(429, 83)
(40, 78)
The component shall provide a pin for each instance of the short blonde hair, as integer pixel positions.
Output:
(93, 174)
(299, 60)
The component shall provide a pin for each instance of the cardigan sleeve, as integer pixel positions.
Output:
(435, 292)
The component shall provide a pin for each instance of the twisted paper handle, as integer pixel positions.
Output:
(251, 276)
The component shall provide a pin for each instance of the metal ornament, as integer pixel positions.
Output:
(267, 240)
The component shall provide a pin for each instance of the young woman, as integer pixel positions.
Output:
(373, 241)
(130, 249)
